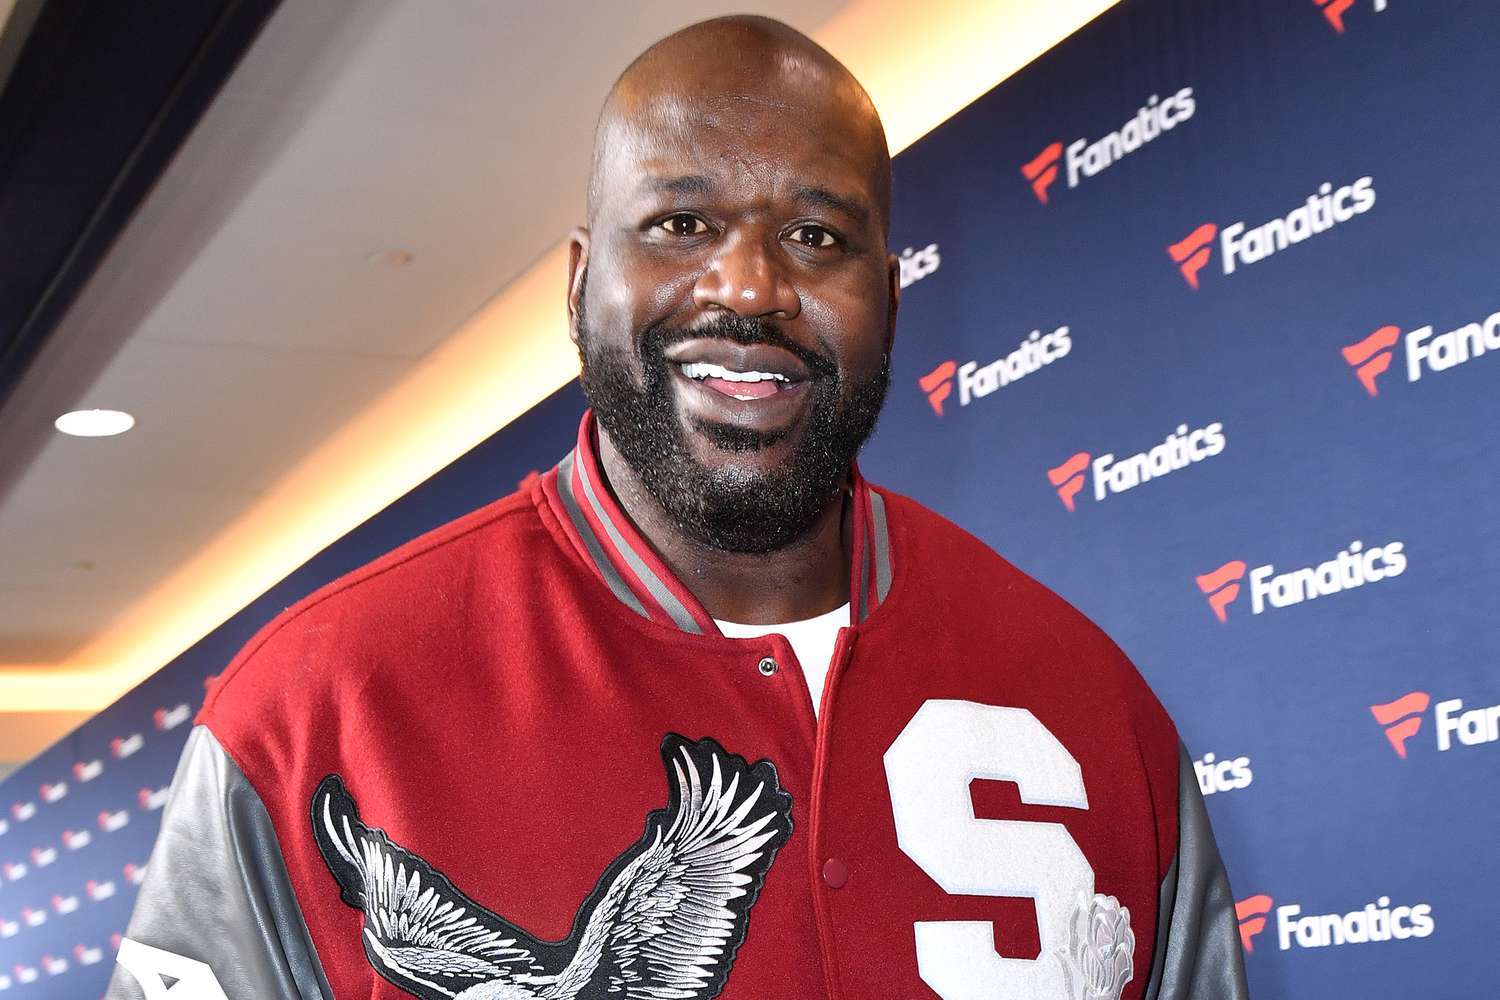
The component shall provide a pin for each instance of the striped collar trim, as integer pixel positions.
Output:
(608, 541)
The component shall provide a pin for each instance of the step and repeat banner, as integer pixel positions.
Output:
(1201, 327)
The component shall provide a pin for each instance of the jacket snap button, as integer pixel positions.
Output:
(835, 873)
(767, 666)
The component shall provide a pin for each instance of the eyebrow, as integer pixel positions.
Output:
(687, 185)
(824, 198)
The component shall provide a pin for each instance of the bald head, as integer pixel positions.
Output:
(739, 210)
(732, 74)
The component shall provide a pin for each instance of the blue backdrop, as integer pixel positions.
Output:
(1197, 329)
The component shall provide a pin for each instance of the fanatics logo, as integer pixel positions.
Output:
(109, 822)
(171, 718)
(1222, 586)
(1372, 356)
(123, 747)
(938, 384)
(1042, 171)
(76, 839)
(1334, 11)
(1192, 252)
(1241, 246)
(153, 799)
(975, 381)
(1114, 474)
(65, 904)
(1373, 923)
(1252, 914)
(1401, 718)
(1353, 567)
(52, 793)
(88, 770)
(87, 955)
(23, 811)
(1068, 478)
(1087, 159)
(135, 874)
(99, 890)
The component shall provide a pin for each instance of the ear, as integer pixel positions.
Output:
(578, 263)
(893, 294)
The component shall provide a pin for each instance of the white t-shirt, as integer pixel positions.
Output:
(812, 640)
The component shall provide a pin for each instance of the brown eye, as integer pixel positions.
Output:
(815, 237)
(683, 224)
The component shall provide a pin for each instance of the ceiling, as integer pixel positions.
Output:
(350, 274)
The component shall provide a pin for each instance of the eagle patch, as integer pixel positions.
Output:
(665, 919)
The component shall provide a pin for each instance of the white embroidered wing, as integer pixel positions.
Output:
(420, 932)
(675, 910)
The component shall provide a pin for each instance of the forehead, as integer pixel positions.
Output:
(742, 140)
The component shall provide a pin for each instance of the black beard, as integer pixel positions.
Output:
(729, 509)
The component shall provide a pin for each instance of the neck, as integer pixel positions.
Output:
(801, 580)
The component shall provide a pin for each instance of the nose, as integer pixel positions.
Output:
(746, 278)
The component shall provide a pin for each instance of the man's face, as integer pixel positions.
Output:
(736, 317)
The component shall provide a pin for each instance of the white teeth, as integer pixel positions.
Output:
(702, 369)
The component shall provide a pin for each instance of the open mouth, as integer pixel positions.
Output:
(744, 385)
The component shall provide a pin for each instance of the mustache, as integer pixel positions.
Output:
(658, 338)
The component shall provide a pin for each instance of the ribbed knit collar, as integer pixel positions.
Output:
(609, 542)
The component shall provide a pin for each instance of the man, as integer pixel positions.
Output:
(526, 756)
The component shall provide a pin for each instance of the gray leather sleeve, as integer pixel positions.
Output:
(1197, 954)
(217, 891)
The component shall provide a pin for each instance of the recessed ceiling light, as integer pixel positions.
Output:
(94, 423)
(390, 258)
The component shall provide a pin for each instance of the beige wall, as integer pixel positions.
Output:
(22, 733)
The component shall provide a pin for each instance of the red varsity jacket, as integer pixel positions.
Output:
(516, 759)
